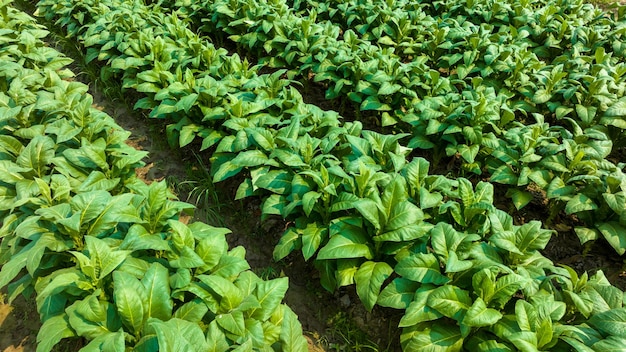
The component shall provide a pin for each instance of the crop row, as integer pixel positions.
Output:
(432, 246)
(531, 97)
(104, 252)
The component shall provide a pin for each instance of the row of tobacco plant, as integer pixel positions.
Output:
(527, 93)
(105, 253)
(437, 248)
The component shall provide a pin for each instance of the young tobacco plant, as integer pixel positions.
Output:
(370, 218)
(104, 252)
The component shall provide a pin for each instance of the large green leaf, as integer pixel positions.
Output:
(530, 237)
(610, 344)
(610, 322)
(421, 267)
(110, 342)
(398, 294)
(156, 282)
(479, 315)
(130, 299)
(37, 154)
(90, 205)
(350, 243)
(103, 258)
(312, 237)
(370, 211)
(615, 234)
(445, 239)
(270, 294)
(177, 335)
(418, 311)
(92, 318)
(291, 338)
(432, 338)
(232, 322)
(450, 301)
(369, 279)
(579, 203)
(506, 286)
(192, 311)
(52, 331)
(289, 241)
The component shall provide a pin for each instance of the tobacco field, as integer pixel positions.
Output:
(456, 167)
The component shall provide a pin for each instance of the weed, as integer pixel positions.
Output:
(201, 191)
(350, 337)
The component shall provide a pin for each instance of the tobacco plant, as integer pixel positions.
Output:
(438, 68)
(364, 212)
(104, 252)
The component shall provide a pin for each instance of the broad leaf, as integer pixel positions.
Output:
(369, 279)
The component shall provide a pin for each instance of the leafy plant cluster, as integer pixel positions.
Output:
(105, 253)
(527, 93)
(367, 214)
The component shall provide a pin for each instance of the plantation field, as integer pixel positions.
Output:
(292, 175)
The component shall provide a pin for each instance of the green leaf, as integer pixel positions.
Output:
(372, 103)
(530, 237)
(387, 88)
(211, 249)
(369, 280)
(615, 234)
(348, 244)
(289, 241)
(291, 338)
(506, 287)
(230, 266)
(479, 315)
(277, 181)
(90, 205)
(52, 331)
(14, 266)
(578, 203)
(97, 181)
(232, 322)
(450, 301)
(130, 299)
(186, 102)
(398, 294)
(403, 215)
(37, 154)
(225, 170)
(418, 311)
(432, 338)
(504, 174)
(177, 335)
(309, 200)
(421, 267)
(110, 342)
(185, 258)
(445, 239)
(541, 96)
(156, 282)
(429, 200)
(192, 311)
(270, 294)
(312, 237)
(369, 209)
(520, 198)
(610, 322)
(92, 318)
(610, 344)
